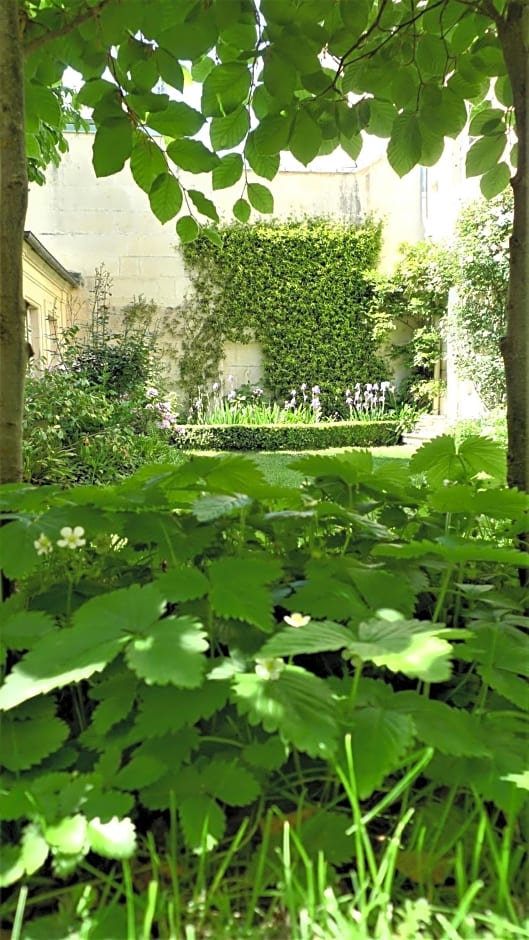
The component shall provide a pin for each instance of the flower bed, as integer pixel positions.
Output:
(248, 437)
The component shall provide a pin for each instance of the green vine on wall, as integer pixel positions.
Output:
(302, 289)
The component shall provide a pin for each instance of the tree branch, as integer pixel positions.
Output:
(34, 36)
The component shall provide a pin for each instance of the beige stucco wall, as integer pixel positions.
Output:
(52, 303)
(86, 221)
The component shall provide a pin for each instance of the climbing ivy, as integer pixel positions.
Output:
(302, 289)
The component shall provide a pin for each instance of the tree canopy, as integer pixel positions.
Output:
(305, 76)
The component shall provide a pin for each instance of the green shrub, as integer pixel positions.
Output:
(302, 289)
(288, 436)
(93, 415)
(477, 322)
(75, 432)
(415, 296)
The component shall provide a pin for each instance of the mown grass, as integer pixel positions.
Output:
(275, 464)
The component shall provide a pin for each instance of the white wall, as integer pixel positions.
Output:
(86, 221)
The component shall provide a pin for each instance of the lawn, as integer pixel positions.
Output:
(275, 464)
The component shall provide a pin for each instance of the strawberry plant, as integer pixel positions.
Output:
(197, 645)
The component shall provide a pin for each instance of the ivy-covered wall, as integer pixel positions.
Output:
(302, 289)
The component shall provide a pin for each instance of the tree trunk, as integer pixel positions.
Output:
(13, 203)
(514, 38)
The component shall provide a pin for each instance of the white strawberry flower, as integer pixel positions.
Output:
(270, 668)
(71, 538)
(296, 619)
(43, 545)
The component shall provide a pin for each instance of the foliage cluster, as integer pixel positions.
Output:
(302, 289)
(478, 319)
(91, 415)
(414, 301)
(380, 639)
(289, 436)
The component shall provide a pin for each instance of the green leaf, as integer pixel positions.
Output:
(270, 754)
(438, 459)
(431, 56)
(393, 733)
(112, 146)
(41, 102)
(217, 505)
(228, 171)
(225, 89)
(147, 161)
(480, 454)
(382, 116)
(68, 835)
(93, 90)
(187, 228)
(34, 849)
(170, 652)
(230, 782)
(182, 583)
(305, 139)
(99, 632)
(260, 197)
(495, 180)
(272, 134)
(201, 69)
(213, 235)
(192, 155)
(354, 467)
(279, 76)
(297, 704)
(165, 197)
(25, 743)
(485, 153)
(164, 709)
(11, 865)
(23, 630)
(169, 69)
(178, 120)
(226, 132)
(140, 771)
(316, 637)
(253, 605)
(486, 120)
(442, 111)
(113, 839)
(501, 655)
(264, 164)
(405, 145)
(18, 556)
(204, 205)
(409, 646)
(203, 822)
(449, 730)
(242, 210)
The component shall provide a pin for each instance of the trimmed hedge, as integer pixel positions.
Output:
(287, 436)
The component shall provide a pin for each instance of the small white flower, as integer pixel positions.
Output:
(43, 545)
(71, 538)
(297, 620)
(269, 668)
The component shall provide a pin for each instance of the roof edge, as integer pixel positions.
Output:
(71, 277)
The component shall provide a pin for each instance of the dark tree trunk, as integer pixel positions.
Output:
(514, 38)
(13, 203)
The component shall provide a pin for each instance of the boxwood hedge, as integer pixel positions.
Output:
(244, 437)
